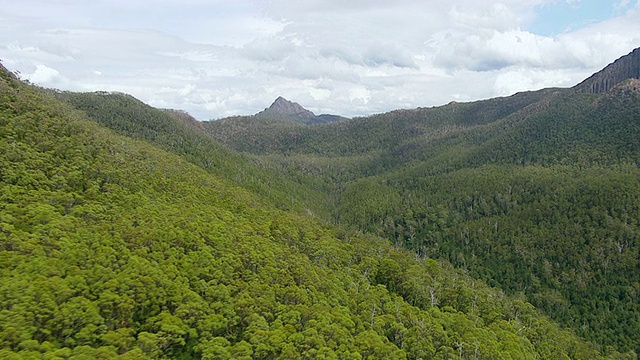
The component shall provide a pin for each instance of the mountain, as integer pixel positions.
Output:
(626, 67)
(276, 127)
(284, 109)
(536, 193)
(117, 242)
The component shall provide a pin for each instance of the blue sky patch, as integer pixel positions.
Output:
(569, 15)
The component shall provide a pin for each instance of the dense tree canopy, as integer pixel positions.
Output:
(111, 247)
(536, 193)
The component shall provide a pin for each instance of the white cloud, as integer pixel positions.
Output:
(44, 75)
(495, 16)
(218, 58)
(493, 50)
(521, 79)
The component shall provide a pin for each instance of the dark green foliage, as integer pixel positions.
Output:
(254, 134)
(567, 238)
(556, 220)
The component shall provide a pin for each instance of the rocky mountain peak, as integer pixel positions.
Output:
(282, 106)
(285, 110)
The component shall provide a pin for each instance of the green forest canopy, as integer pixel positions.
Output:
(111, 247)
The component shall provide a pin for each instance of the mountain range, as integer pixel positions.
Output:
(502, 228)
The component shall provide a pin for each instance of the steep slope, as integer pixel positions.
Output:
(536, 193)
(185, 118)
(113, 248)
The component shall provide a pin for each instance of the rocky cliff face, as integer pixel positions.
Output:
(626, 67)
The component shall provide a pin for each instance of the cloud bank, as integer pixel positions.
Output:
(220, 58)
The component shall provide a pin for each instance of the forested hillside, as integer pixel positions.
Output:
(115, 247)
(537, 193)
(175, 132)
(546, 205)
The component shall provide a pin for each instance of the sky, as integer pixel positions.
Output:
(218, 58)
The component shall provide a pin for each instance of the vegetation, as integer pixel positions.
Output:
(537, 194)
(129, 232)
(178, 133)
(112, 247)
(547, 207)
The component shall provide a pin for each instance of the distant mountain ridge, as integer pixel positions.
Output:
(278, 126)
(289, 110)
